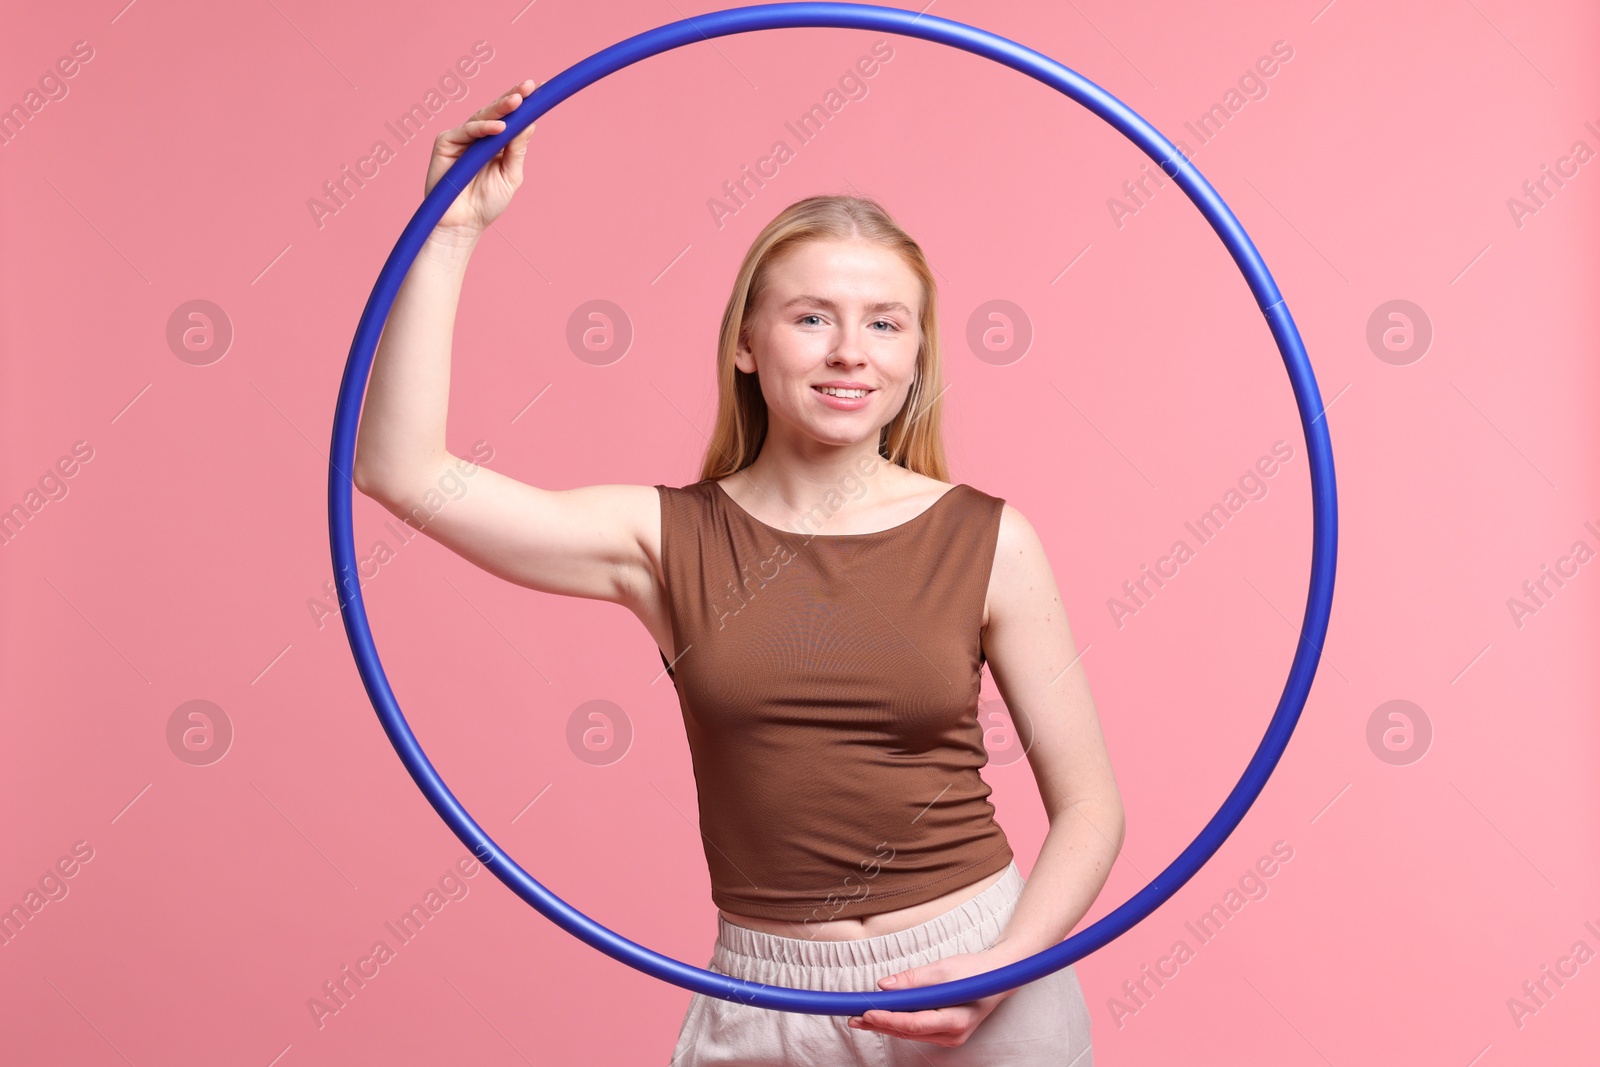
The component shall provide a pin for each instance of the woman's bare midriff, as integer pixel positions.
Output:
(886, 922)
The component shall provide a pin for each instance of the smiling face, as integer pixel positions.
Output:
(839, 314)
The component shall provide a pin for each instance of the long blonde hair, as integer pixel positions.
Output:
(912, 438)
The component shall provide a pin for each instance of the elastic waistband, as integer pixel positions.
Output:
(734, 940)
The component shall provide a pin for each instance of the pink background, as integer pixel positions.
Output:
(181, 562)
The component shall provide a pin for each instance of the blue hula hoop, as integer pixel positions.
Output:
(979, 42)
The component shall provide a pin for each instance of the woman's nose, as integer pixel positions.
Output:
(848, 350)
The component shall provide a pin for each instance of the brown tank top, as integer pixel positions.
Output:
(829, 687)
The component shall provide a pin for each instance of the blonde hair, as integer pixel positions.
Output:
(912, 438)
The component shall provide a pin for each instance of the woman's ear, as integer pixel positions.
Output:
(743, 356)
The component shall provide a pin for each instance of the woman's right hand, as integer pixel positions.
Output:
(489, 192)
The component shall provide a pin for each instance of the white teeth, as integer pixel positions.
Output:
(842, 392)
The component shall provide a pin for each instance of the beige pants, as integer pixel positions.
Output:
(1043, 1024)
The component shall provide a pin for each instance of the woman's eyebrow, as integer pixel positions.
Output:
(822, 301)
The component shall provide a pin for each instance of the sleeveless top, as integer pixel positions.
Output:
(829, 688)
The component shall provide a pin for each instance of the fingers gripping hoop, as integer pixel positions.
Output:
(982, 43)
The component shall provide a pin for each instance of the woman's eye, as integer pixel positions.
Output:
(806, 321)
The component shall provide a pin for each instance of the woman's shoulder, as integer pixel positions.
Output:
(973, 497)
(701, 489)
(686, 505)
(1002, 525)
(685, 487)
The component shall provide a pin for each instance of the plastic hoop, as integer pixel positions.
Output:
(1324, 543)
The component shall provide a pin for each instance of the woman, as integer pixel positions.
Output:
(828, 678)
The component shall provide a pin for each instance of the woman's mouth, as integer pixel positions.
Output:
(842, 399)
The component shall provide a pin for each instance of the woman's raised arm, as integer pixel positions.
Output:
(595, 541)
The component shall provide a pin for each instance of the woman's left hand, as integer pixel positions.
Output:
(950, 1026)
